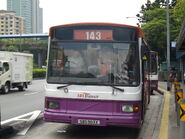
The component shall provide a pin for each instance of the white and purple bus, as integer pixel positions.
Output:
(98, 75)
(154, 70)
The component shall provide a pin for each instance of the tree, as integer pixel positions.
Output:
(155, 30)
(153, 21)
(143, 16)
(179, 12)
(12, 48)
(173, 3)
(155, 35)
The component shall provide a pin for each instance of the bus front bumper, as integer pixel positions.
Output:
(94, 120)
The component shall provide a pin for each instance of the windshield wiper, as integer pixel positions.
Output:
(119, 89)
(114, 87)
(59, 87)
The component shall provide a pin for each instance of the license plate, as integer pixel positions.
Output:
(88, 122)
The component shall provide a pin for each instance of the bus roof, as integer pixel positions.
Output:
(98, 23)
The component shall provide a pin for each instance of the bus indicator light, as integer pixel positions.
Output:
(136, 108)
(93, 35)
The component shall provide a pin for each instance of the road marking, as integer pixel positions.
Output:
(19, 117)
(28, 118)
(163, 133)
(29, 123)
(31, 93)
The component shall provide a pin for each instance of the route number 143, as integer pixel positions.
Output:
(93, 35)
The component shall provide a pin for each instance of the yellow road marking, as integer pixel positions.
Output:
(163, 133)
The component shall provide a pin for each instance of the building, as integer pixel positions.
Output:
(37, 17)
(32, 13)
(10, 23)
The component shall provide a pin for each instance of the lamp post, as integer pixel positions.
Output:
(168, 44)
(135, 18)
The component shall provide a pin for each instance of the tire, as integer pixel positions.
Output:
(6, 88)
(152, 92)
(22, 88)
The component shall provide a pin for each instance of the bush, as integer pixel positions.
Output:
(39, 73)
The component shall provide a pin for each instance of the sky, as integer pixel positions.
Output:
(58, 12)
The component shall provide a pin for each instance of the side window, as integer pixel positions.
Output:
(145, 56)
(6, 66)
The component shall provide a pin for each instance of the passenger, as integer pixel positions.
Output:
(61, 60)
(103, 69)
(172, 75)
(75, 62)
(106, 66)
(99, 69)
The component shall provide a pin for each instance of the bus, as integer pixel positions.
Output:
(154, 71)
(97, 75)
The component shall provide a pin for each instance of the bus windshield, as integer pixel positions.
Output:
(93, 63)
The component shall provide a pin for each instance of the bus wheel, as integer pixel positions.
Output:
(6, 88)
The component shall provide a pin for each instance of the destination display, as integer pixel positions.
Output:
(93, 35)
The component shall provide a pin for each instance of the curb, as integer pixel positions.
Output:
(160, 91)
(158, 123)
(150, 129)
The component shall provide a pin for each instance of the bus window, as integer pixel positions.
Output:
(154, 64)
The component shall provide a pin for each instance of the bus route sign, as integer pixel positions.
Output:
(93, 35)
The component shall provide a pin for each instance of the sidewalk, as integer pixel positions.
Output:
(173, 129)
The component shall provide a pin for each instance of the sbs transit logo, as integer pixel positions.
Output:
(86, 95)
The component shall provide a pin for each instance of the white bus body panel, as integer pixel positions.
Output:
(94, 92)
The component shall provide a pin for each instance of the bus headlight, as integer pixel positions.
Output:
(129, 108)
(53, 104)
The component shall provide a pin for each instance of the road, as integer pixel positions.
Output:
(16, 102)
(64, 131)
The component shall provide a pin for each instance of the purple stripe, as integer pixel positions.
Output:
(107, 112)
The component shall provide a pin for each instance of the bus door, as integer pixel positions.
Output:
(145, 75)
